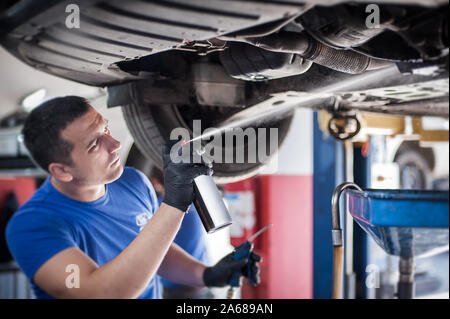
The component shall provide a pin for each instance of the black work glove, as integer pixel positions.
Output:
(220, 274)
(179, 177)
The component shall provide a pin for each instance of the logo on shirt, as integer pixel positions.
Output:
(142, 220)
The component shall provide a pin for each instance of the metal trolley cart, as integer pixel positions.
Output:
(404, 223)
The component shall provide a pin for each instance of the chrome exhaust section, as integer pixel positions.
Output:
(346, 61)
(309, 49)
(302, 44)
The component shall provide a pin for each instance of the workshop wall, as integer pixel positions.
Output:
(286, 199)
(18, 80)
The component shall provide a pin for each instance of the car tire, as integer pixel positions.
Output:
(415, 172)
(150, 125)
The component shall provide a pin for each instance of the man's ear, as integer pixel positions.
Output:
(60, 172)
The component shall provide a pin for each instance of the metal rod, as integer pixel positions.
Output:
(405, 288)
(337, 238)
(259, 232)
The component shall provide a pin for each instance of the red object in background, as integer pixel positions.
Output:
(365, 148)
(286, 201)
(23, 187)
(241, 199)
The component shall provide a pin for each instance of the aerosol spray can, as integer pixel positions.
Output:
(208, 200)
(209, 204)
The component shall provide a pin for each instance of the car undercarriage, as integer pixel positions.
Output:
(167, 63)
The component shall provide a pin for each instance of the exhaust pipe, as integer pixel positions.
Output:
(346, 61)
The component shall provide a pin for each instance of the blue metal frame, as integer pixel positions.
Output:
(403, 222)
(328, 172)
(400, 208)
(362, 175)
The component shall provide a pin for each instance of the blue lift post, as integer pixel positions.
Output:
(327, 173)
(360, 238)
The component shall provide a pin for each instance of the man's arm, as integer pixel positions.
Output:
(180, 267)
(126, 276)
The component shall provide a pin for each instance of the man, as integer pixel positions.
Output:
(94, 229)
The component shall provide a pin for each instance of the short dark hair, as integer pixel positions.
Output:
(43, 126)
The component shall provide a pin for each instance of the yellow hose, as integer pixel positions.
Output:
(338, 256)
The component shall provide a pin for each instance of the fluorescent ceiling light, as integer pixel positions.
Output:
(34, 99)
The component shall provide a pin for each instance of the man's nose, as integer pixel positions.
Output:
(114, 145)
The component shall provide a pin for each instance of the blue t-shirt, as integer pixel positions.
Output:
(192, 238)
(51, 222)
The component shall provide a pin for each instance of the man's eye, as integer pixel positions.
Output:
(94, 146)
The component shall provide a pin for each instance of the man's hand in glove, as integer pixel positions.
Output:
(179, 177)
(220, 274)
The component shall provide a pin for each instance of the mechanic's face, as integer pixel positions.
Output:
(95, 154)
